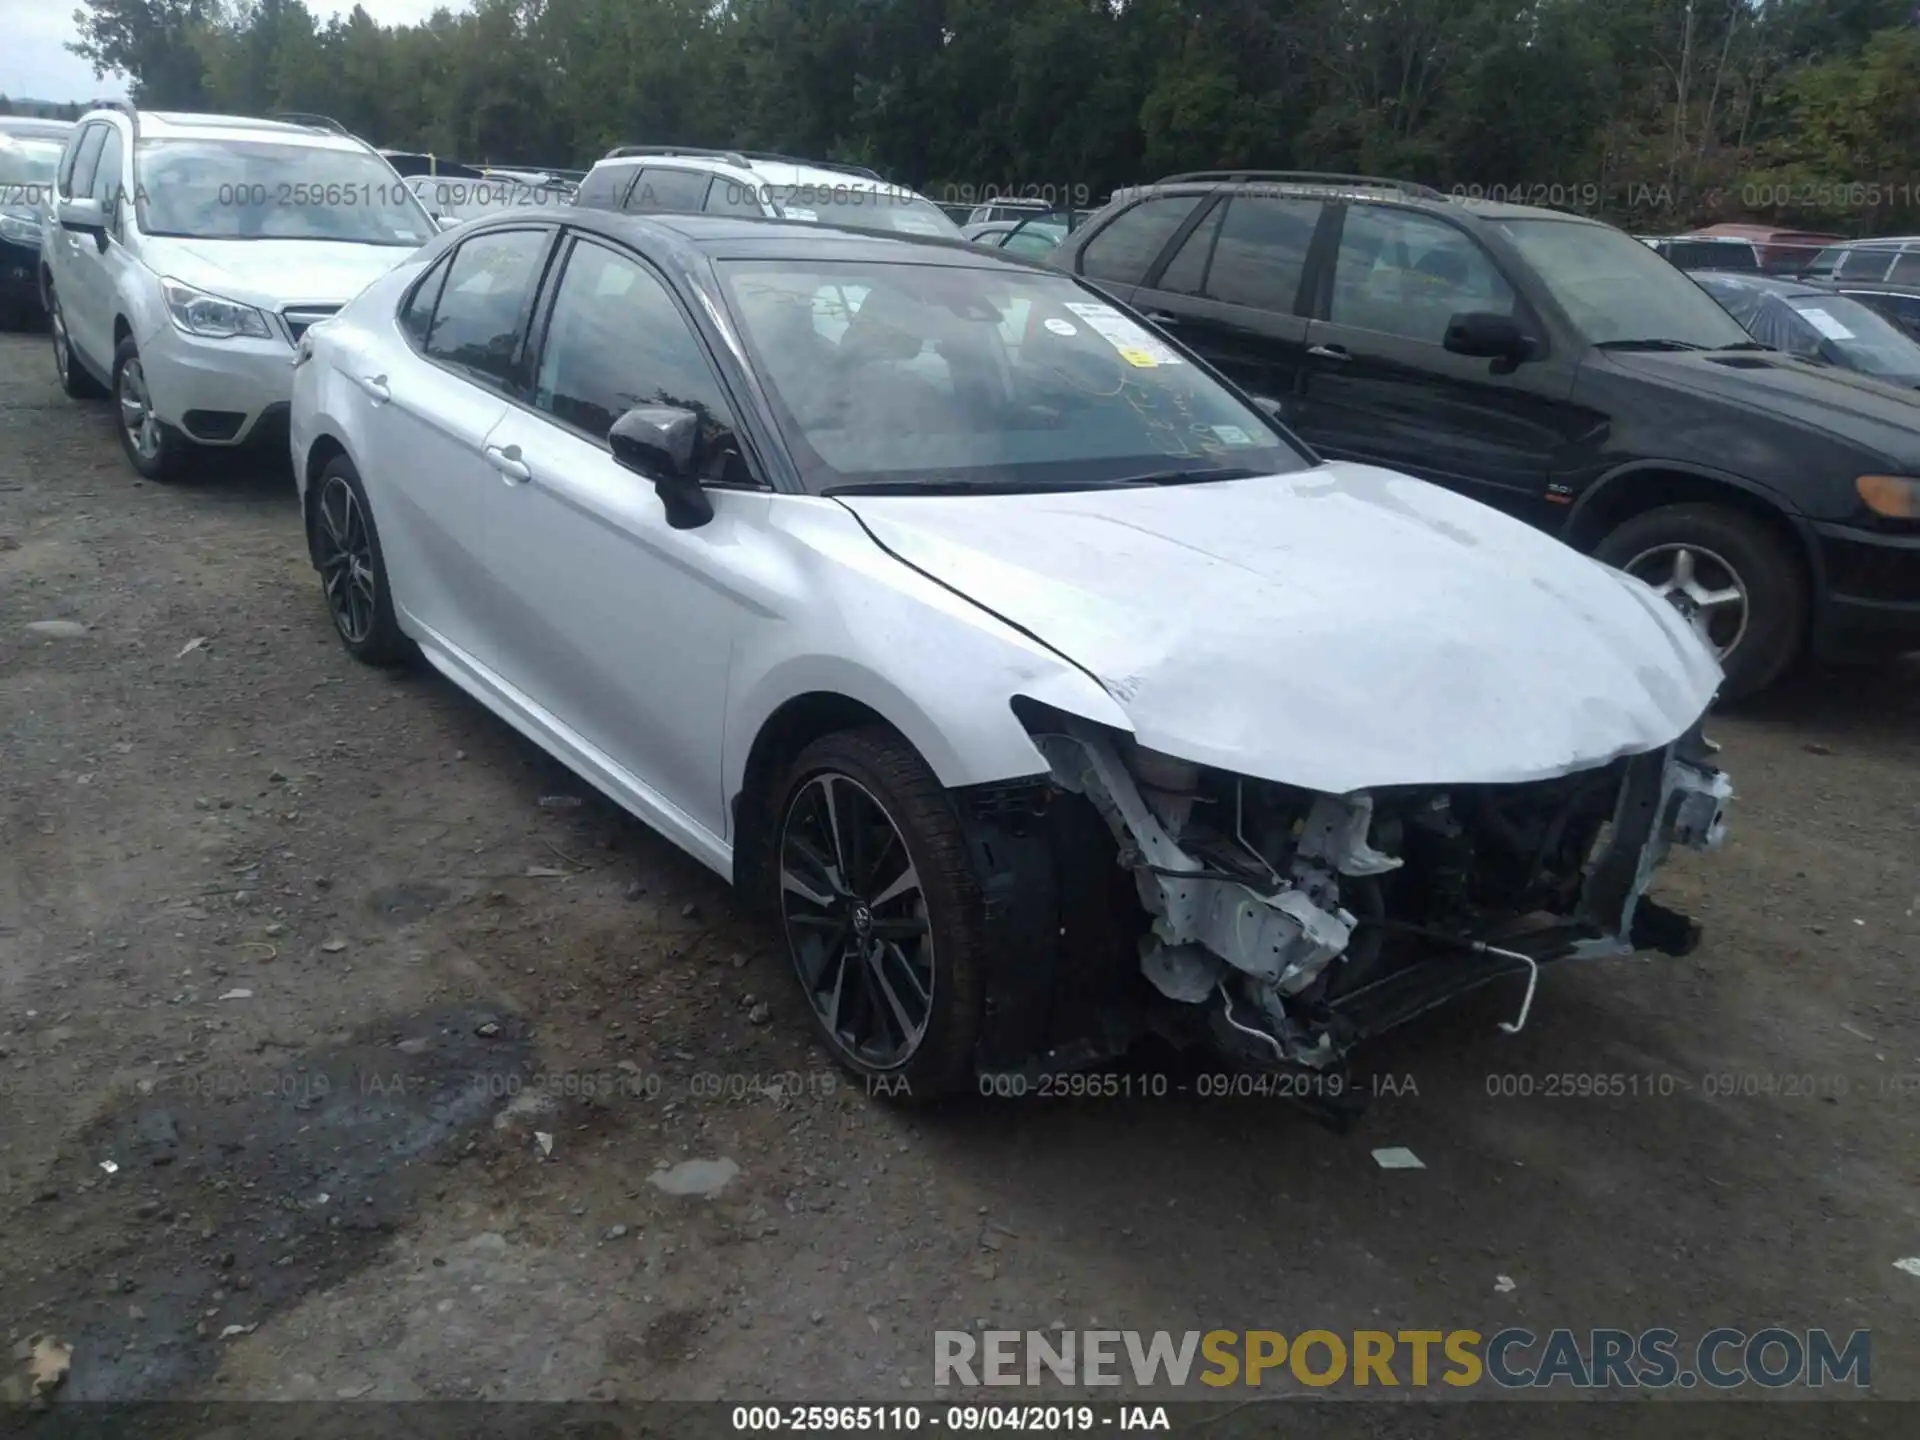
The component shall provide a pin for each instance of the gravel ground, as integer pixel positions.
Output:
(389, 1025)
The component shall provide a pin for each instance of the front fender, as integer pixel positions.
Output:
(857, 622)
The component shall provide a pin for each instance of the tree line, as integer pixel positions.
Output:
(1660, 114)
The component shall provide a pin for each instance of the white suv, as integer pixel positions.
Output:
(678, 180)
(184, 255)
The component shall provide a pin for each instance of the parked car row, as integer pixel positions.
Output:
(1039, 683)
(1819, 323)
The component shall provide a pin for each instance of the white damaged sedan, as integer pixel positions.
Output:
(1042, 689)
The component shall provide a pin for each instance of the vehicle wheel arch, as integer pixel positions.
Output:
(322, 453)
(1635, 489)
(792, 726)
(122, 330)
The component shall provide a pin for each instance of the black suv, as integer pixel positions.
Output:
(1556, 368)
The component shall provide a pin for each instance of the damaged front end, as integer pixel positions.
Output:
(1293, 925)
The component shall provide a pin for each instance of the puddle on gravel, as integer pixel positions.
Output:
(236, 1193)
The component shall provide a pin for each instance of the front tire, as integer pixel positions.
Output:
(1731, 575)
(353, 568)
(154, 448)
(880, 910)
(75, 382)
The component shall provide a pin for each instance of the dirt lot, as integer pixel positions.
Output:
(315, 958)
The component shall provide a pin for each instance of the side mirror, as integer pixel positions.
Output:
(84, 215)
(1487, 335)
(1269, 407)
(662, 442)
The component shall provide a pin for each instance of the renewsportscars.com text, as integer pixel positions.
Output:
(1515, 1358)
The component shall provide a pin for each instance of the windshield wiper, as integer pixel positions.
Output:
(1194, 477)
(1652, 344)
(973, 487)
(1746, 345)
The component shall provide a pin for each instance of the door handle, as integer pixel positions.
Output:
(508, 462)
(375, 387)
(1330, 352)
(1160, 317)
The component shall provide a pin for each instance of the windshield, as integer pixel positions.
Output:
(913, 374)
(26, 169)
(233, 190)
(1616, 290)
(865, 205)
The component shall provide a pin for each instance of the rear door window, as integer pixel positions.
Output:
(1906, 269)
(1262, 252)
(1865, 264)
(482, 310)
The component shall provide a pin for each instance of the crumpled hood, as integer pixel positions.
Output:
(1339, 629)
(277, 273)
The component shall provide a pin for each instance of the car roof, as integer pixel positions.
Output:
(187, 125)
(758, 170)
(1348, 188)
(745, 237)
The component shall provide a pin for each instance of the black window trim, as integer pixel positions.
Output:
(92, 128)
(69, 156)
(1330, 235)
(1216, 204)
(534, 340)
(649, 168)
(517, 386)
(756, 192)
(1206, 196)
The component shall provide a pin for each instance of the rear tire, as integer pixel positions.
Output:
(353, 568)
(1710, 550)
(881, 912)
(154, 448)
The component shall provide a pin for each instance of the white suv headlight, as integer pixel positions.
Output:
(20, 228)
(199, 313)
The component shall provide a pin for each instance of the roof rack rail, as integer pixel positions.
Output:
(842, 167)
(302, 117)
(623, 152)
(1311, 177)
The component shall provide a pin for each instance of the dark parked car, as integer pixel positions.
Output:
(1899, 303)
(1817, 322)
(29, 155)
(1705, 252)
(1556, 368)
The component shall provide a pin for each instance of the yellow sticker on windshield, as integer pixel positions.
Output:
(1137, 357)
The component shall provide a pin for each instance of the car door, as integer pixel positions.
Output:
(1232, 290)
(114, 264)
(435, 395)
(610, 620)
(80, 275)
(1381, 388)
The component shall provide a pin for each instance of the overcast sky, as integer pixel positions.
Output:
(35, 63)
